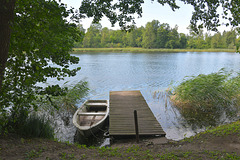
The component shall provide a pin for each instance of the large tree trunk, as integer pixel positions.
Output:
(6, 17)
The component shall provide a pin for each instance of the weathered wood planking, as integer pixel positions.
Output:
(121, 115)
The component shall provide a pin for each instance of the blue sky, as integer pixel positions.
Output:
(151, 11)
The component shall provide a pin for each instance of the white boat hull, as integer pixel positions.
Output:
(91, 116)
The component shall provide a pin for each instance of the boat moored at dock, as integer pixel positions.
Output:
(90, 117)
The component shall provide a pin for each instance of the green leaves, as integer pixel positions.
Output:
(120, 11)
(54, 90)
(67, 99)
(206, 13)
(93, 38)
(41, 40)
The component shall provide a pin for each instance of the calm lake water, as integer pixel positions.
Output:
(151, 73)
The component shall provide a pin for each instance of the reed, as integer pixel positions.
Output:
(205, 98)
(36, 127)
(208, 90)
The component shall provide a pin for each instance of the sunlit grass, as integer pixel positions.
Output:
(219, 131)
(144, 50)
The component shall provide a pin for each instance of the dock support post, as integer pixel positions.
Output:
(136, 126)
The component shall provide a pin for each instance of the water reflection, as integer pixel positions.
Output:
(204, 118)
(170, 118)
(185, 122)
(98, 139)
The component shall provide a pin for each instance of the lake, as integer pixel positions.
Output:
(152, 74)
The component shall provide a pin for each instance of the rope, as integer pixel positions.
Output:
(93, 133)
(100, 130)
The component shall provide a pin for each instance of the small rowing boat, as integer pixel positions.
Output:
(90, 117)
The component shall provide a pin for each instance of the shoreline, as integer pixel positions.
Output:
(222, 142)
(143, 50)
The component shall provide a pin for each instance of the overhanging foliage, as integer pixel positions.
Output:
(124, 11)
(41, 40)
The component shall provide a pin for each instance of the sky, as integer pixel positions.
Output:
(151, 11)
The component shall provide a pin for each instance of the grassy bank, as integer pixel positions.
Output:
(143, 50)
(222, 142)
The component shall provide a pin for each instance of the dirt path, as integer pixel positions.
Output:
(204, 147)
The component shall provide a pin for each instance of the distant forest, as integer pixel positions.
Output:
(155, 35)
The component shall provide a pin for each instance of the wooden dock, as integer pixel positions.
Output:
(121, 115)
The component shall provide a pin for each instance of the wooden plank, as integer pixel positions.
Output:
(121, 115)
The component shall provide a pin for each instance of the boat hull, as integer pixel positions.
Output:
(91, 116)
(91, 131)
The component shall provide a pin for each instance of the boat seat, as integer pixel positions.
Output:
(96, 104)
(92, 114)
(97, 101)
(94, 107)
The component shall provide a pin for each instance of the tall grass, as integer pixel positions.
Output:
(208, 97)
(60, 109)
(36, 126)
(67, 102)
(33, 122)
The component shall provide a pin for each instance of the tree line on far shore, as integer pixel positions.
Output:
(155, 35)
